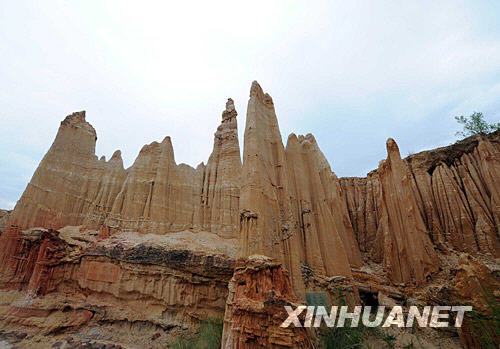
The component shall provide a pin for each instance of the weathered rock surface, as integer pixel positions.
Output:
(473, 283)
(67, 279)
(467, 281)
(72, 187)
(285, 213)
(450, 194)
(267, 223)
(364, 206)
(148, 251)
(66, 181)
(402, 243)
(222, 179)
(319, 203)
(460, 190)
(4, 217)
(258, 292)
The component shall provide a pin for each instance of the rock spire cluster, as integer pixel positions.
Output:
(155, 195)
(162, 244)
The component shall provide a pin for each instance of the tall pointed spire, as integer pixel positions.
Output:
(281, 200)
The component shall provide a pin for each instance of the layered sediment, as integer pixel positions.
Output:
(67, 280)
(159, 246)
(258, 292)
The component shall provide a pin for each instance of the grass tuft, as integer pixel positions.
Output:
(486, 330)
(209, 336)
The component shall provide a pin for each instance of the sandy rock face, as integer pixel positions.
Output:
(158, 195)
(267, 223)
(404, 246)
(450, 194)
(67, 180)
(319, 203)
(144, 253)
(72, 187)
(4, 217)
(255, 310)
(460, 187)
(222, 179)
(292, 206)
(68, 279)
(285, 213)
(476, 285)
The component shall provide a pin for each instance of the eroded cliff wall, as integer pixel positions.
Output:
(67, 180)
(292, 206)
(68, 280)
(154, 245)
(72, 187)
(450, 193)
(287, 209)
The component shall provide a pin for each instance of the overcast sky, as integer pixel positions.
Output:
(352, 73)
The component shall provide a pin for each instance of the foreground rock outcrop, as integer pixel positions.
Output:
(67, 280)
(258, 292)
(141, 255)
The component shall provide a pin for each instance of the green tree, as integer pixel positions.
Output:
(474, 124)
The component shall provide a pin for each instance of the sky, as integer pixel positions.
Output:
(352, 73)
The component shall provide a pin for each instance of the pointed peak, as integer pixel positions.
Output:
(391, 145)
(74, 119)
(103, 158)
(78, 115)
(307, 138)
(117, 155)
(256, 91)
(268, 99)
(167, 139)
(310, 137)
(163, 149)
(230, 104)
(116, 160)
(166, 142)
(167, 149)
(392, 149)
(230, 111)
(306, 142)
(148, 147)
(292, 141)
(77, 120)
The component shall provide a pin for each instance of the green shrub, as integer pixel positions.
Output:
(209, 336)
(342, 337)
(410, 345)
(486, 330)
(474, 124)
(389, 340)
